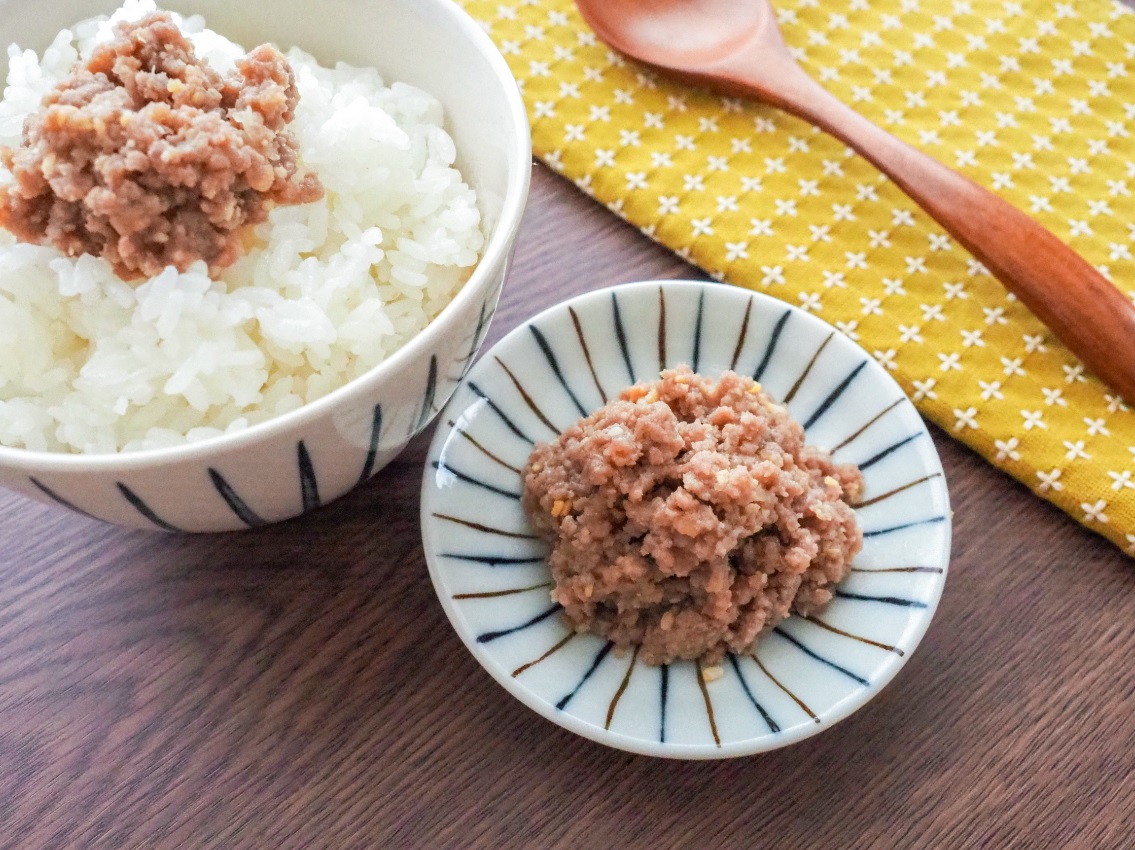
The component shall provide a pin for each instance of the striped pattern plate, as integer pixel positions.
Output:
(489, 570)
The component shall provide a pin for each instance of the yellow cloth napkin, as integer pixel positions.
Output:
(1034, 99)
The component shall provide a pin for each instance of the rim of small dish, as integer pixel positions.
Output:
(497, 247)
(880, 674)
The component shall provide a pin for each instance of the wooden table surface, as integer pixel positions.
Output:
(300, 687)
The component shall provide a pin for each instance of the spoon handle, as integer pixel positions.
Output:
(1081, 307)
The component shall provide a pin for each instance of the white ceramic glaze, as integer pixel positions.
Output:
(489, 570)
(295, 462)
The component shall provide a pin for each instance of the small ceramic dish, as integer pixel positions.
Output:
(489, 570)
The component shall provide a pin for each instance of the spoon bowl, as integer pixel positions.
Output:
(660, 33)
(735, 46)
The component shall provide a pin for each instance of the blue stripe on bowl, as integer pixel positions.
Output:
(59, 500)
(236, 504)
(372, 448)
(484, 317)
(427, 409)
(309, 485)
(145, 510)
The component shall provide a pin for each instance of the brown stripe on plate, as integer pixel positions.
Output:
(871, 422)
(493, 594)
(741, 336)
(897, 490)
(527, 398)
(587, 353)
(778, 683)
(897, 570)
(463, 433)
(622, 688)
(560, 645)
(487, 529)
(817, 621)
(708, 704)
(803, 375)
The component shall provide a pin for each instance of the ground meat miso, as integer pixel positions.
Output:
(688, 517)
(146, 156)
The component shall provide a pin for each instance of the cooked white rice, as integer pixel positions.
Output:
(89, 363)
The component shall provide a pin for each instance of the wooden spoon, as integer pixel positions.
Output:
(735, 46)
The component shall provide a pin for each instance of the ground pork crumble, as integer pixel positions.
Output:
(146, 156)
(688, 517)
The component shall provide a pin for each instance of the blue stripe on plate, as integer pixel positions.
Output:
(826, 404)
(495, 408)
(811, 653)
(562, 704)
(772, 724)
(621, 336)
(878, 532)
(488, 637)
(889, 450)
(493, 560)
(777, 330)
(885, 600)
(550, 356)
(476, 482)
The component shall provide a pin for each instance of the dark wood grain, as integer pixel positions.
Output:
(300, 687)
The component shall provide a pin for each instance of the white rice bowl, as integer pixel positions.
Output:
(89, 363)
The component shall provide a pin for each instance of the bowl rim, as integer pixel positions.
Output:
(836, 713)
(495, 255)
